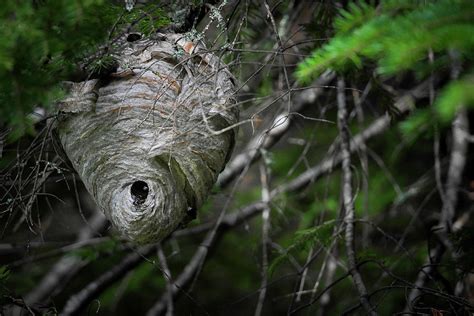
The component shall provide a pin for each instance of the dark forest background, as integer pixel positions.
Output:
(350, 189)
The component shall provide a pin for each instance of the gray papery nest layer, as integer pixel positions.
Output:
(150, 141)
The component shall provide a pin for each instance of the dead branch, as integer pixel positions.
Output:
(265, 237)
(167, 277)
(77, 302)
(347, 197)
(456, 166)
(403, 104)
(269, 137)
(58, 276)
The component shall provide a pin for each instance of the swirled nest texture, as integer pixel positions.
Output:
(150, 140)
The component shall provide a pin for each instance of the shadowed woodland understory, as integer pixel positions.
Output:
(349, 189)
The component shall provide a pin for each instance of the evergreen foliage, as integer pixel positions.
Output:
(399, 35)
(37, 50)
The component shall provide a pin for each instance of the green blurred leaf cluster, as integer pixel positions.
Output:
(38, 42)
(396, 35)
(148, 19)
(399, 35)
(42, 43)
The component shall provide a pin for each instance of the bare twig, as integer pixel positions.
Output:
(186, 277)
(265, 237)
(331, 271)
(58, 251)
(460, 143)
(77, 302)
(455, 169)
(358, 100)
(303, 276)
(3, 134)
(67, 266)
(403, 104)
(269, 137)
(167, 277)
(348, 198)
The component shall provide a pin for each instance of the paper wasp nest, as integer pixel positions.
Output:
(150, 141)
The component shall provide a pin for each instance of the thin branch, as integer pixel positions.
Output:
(455, 169)
(3, 135)
(347, 197)
(186, 277)
(303, 277)
(403, 104)
(67, 266)
(77, 302)
(331, 271)
(167, 277)
(265, 238)
(326, 289)
(57, 251)
(459, 150)
(280, 49)
(358, 100)
(267, 138)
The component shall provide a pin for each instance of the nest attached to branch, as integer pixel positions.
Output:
(150, 140)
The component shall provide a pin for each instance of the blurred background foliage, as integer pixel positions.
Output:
(44, 42)
(397, 35)
(383, 49)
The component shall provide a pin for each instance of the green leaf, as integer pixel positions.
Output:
(418, 121)
(353, 17)
(397, 35)
(457, 94)
(4, 274)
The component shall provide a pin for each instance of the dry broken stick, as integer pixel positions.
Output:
(149, 142)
